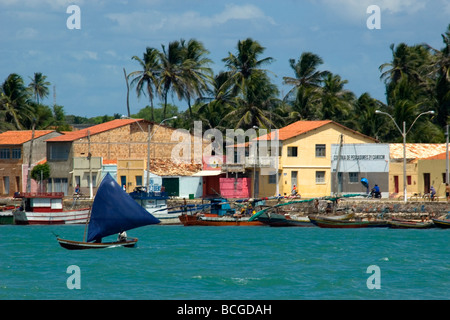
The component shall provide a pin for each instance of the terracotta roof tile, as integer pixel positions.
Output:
(75, 135)
(17, 137)
(301, 127)
(440, 156)
(416, 150)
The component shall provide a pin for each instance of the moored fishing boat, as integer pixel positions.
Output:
(46, 208)
(279, 218)
(220, 214)
(329, 222)
(156, 204)
(113, 212)
(442, 222)
(395, 223)
(6, 215)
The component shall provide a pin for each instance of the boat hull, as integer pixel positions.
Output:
(324, 222)
(6, 217)
(80, 245)
(281, 220)
(442, 223)
(47, 218)
(215, 220)
(410, 224)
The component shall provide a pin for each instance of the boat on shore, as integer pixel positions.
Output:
(113, 212)
(43, 208)
(396, 223)
(221, 214)
(330, 222)
(443, 222)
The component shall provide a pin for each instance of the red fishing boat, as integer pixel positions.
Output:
(46, 208)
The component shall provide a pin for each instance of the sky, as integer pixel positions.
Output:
(85, 65)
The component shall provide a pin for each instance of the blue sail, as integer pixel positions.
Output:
(114, 211)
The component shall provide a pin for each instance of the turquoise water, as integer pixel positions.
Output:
(176, 262)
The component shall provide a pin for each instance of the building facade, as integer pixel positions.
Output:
(125, 141)
(16, 147)
(304, 158)
(352, 162)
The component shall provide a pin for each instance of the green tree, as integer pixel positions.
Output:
(245, 62)
(146, 79)
(196, 73)
(441, 68)
(40, 172)
(39, 86)
(337, 102)
(14, 101)
(171, 76)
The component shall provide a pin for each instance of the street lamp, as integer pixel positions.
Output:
(404, 133)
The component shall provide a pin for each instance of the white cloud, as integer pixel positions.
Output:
(85, 55)
(54, 4)
(156, 20)
(26, 33)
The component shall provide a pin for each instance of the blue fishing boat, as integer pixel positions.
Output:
(113, 212)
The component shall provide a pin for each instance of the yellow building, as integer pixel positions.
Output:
(304, 158)
(130, 173)
(423, 169)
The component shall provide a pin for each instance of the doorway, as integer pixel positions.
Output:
(426, 183)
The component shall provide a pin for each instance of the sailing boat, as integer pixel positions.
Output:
(113, 212)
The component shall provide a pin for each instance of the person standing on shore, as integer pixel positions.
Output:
(447, 191)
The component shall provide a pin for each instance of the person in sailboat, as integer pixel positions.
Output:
(122, 236)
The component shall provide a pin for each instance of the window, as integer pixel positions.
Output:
(139, 180)
(353, 177)
(59, 151)
(272, 179)
(4, 153)
(320, 150)
(320, 177)
(408, 180)
(292, 151)
(16, 153)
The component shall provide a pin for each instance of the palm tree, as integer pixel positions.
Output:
(39, 86)
(441, 68)
(147, 77)
(212, 110)
(367, 121)
(171, 75)
(337, 102)
(255, 105)
(242, 65)
(306, 73)
(14, 101)
(196, 72)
